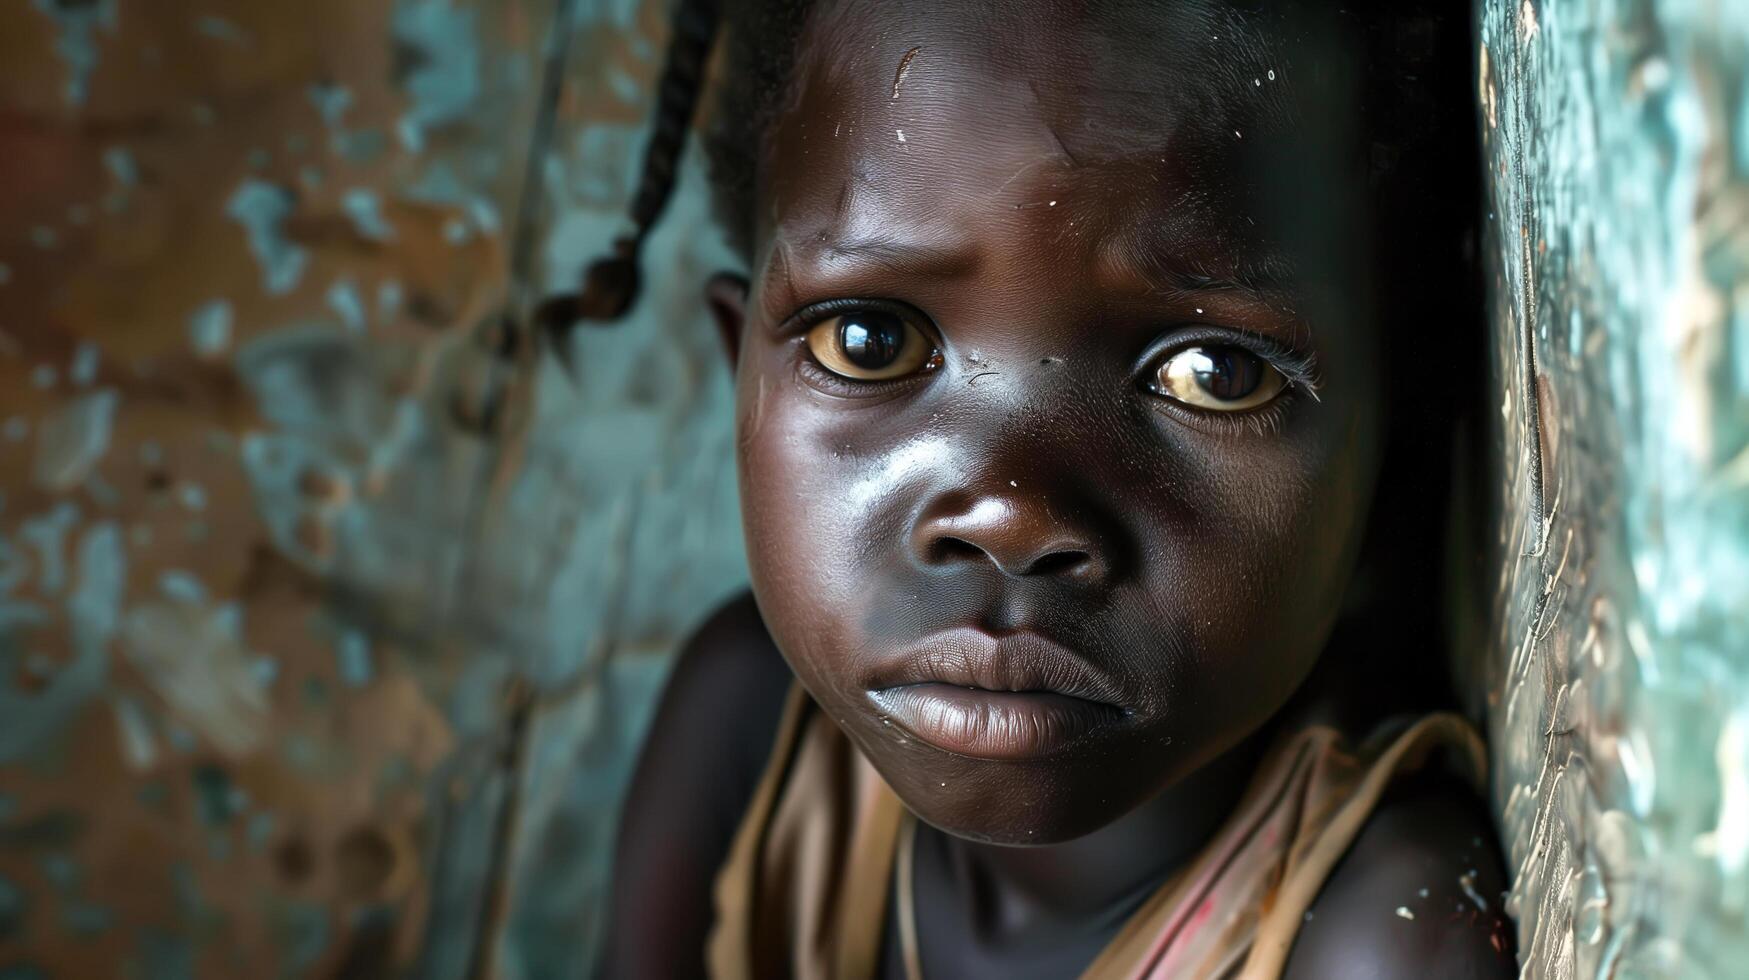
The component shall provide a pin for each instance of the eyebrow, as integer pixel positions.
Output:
(1149, 256)
(1267, 278)
(1171, 265)
(907, 257)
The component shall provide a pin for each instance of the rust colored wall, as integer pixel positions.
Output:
(327, 627)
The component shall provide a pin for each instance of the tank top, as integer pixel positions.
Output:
(805, 889)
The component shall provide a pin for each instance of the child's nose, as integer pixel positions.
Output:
(1018, 534)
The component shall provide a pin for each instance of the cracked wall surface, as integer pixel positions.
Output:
(331, 611)
(1609, 616)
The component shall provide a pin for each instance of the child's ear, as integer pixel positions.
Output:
(726, 294)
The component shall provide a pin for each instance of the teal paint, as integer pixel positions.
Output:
(365, 209)
(134, 728)
(209, 327)
(630, 494)
(1614, 133)
(261, 208)
(182, 586)
(16, 614)
(439, 184)
(47, 534)
(216, 798)
(390, 296)
(34, 718)
(442, 79)
(192, 496)
(119, 160)
(361, 146)
(352, 651)
(61, 871)
(193, 657)
(220, 29)
(305, 933)
(78, 22)
(84, 367)
(347, 304)
(331, 102)
(73, 439)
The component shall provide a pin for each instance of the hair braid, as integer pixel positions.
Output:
(610, 286)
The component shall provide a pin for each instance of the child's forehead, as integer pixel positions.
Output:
(910, 119)
(1113, 77)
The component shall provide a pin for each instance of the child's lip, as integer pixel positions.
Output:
(1007, 697)
(1012, 662)
(999, 726)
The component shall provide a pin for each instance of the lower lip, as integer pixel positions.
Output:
(1002, 726)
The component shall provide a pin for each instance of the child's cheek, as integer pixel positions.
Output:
(1254, 556)
(803, 515)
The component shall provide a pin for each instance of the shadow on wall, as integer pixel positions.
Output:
(330, 615)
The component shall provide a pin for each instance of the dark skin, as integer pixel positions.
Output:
(1037, 362)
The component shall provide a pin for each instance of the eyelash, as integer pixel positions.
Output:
(805, 319)
(1298, 367)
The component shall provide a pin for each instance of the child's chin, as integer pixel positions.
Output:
(998, 803)
(1029, 827)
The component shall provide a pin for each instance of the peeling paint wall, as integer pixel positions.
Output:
(1613, 599)
(331, 612)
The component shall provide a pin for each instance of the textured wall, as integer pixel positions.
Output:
(326, 630)
(1617, 589)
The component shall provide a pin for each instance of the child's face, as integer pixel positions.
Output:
(1040, 504)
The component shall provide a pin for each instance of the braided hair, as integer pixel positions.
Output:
(610, 286)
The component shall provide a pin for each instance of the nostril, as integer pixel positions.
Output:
(946, 549)
(1058, 563)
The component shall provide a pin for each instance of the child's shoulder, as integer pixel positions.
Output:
(1417, 895)
(718, 715)
(701, 762)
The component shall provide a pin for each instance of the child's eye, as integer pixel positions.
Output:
(1217, 377)
(871, 345)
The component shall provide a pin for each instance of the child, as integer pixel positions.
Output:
(1076, 339)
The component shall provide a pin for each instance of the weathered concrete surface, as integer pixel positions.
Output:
(1610, 613)
(323, 649)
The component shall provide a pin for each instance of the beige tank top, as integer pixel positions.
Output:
(805, 890)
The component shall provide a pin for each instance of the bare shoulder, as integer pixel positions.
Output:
(1418, 895)
(701, 762)
(731, 653)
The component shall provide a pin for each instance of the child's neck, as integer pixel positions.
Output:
(1092, 880)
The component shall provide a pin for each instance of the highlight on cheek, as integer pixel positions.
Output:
(871, 345)
(1219, 378)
